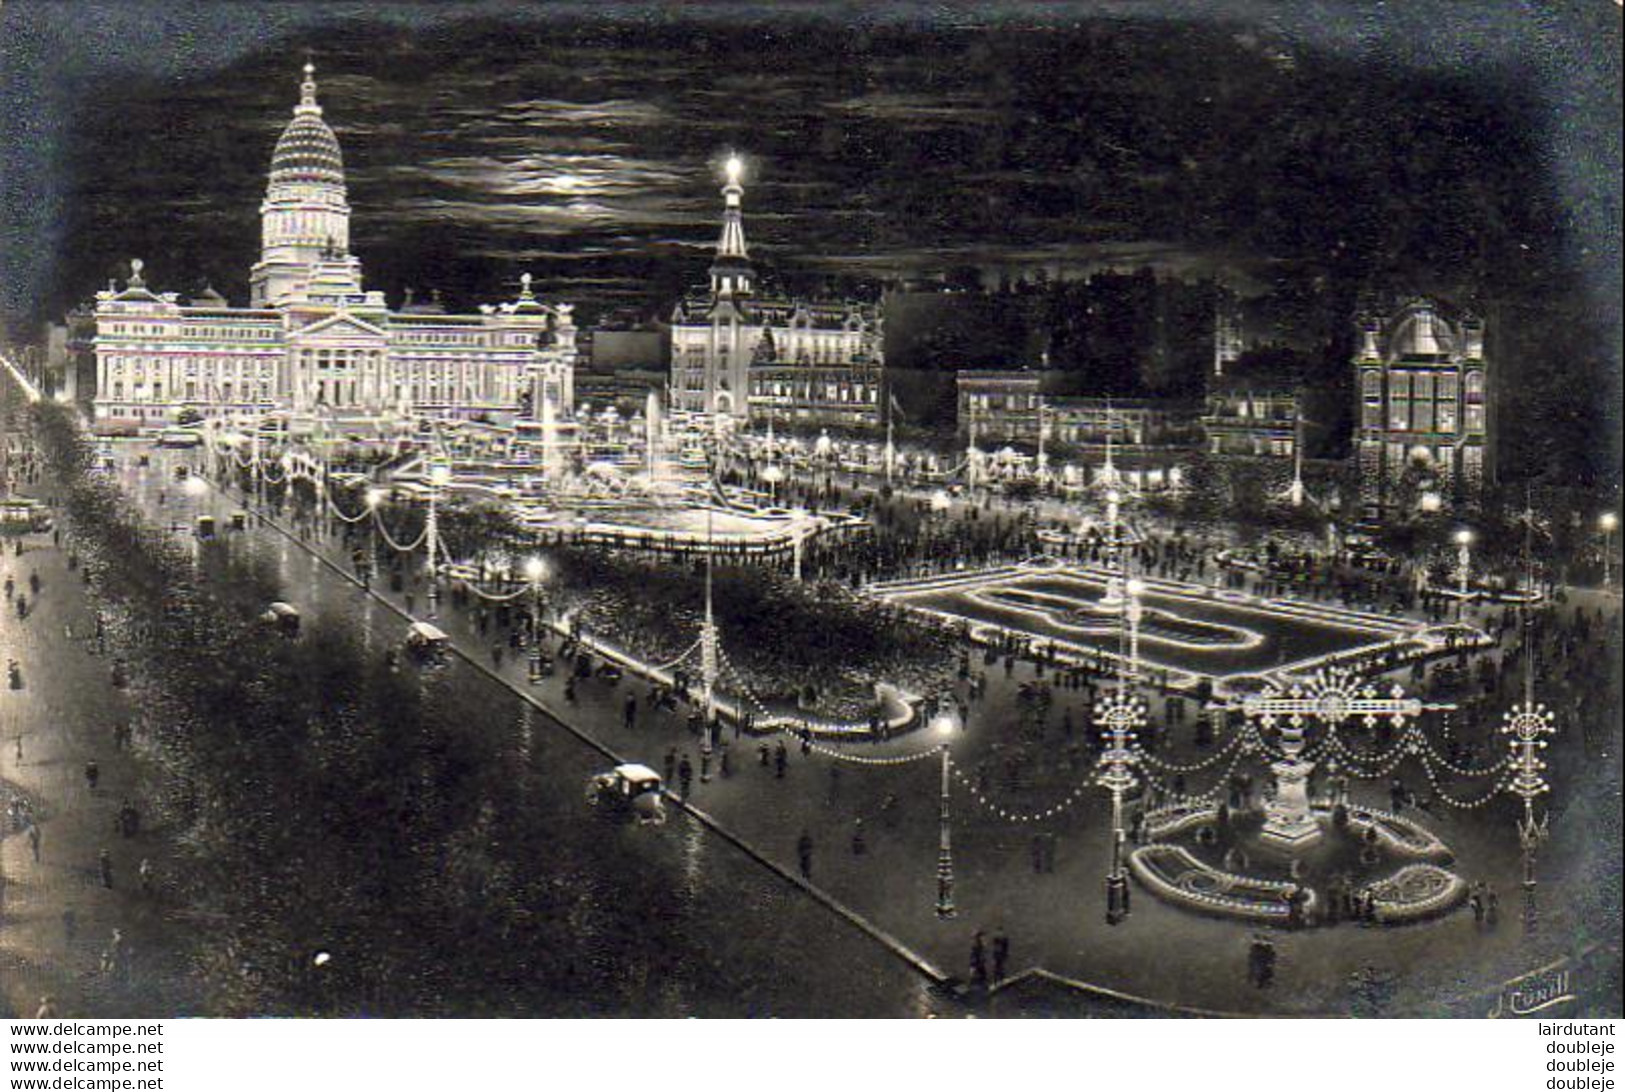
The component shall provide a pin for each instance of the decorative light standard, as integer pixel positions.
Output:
(1527, 726)
(1608, 523)
(1133, 611)
(375, 497)
(439, 475)
(773, 474)
(1119, 715)
(1464, 562)
(535, 570)
(1114, 548)
(945, 722)
(710, 657)
(799, 517)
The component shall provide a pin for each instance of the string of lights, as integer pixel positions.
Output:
(1010, 816)
(1164, 766)
(397, 546)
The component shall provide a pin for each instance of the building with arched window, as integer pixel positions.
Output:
(1425, 422)
(313, 339)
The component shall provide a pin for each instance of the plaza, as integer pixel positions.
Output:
(1190, 634)
(983, 594)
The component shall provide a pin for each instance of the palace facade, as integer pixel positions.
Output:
(1425, 424)
(313, 339)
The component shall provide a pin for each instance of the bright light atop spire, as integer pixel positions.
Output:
(735, 167)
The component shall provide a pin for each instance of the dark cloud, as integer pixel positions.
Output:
(1239, 139)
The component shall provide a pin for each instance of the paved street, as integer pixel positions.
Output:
(688, 949)
(892, 882)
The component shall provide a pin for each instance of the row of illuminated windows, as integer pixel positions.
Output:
(446, 338)
(1423, 386)
(986, 403)
(829, 392)
(191, 391)
(1419, 416)
(140, 366)
(189, 331)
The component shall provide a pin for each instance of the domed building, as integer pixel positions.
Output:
(313, 339)
(1424, 425)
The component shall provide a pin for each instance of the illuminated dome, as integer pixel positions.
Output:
(307, 150)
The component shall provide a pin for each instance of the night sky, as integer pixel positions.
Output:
(1471, 150)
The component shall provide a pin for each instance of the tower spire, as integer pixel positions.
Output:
(307, 91)
(731, 273)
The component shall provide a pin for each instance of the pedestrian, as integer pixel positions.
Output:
(804, 850)
(1001, 955)
(671, 765)
(144, 870)
(116, 956)
(93, 774)
(781, 759)
(33, 840)
(629, 711)
(1258, 961)
(47, 1008)
(70, 925)
(685, 775)
(105, 863)
(978, 960)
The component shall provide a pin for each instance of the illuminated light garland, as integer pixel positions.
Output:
(421, 539)
(1465, 805)
(491, 597)
(1077, 794)
(339, 512)
(1218, 790)
(1163, 766)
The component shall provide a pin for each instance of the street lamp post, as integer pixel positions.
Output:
(439, 475)
(1464, 561)
(375, 497)
(1608, 522)
(945, 723)
(535, 570)
(1528, 725)
(1133, 611)
(1119, 714)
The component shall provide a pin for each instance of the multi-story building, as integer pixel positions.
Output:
(1252, 417)
(1425, 411)
(739, 352)
(1001, 407)
(1087, 423)
(313, 339)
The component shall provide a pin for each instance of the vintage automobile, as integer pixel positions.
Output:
(205, 527)
(427, 643)
(630, 791)
(284, 616)
(182, 472)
